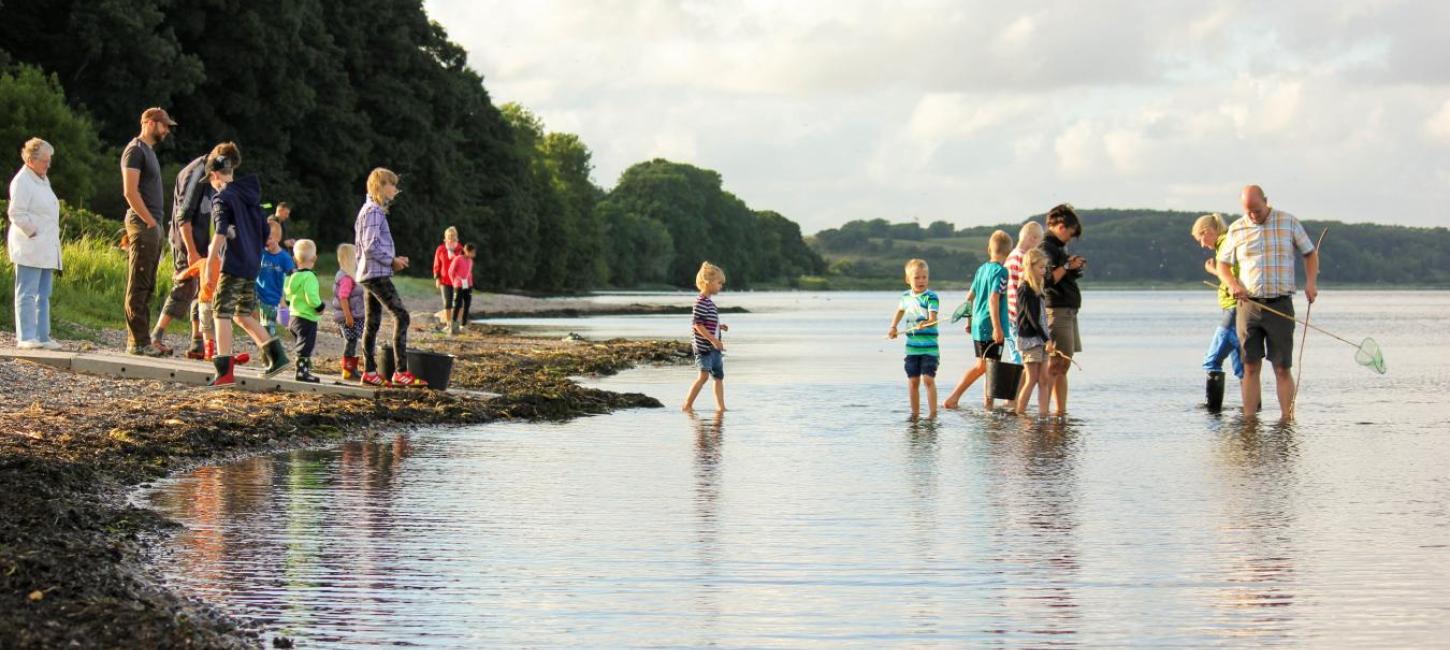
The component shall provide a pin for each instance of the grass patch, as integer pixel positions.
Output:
(90, 293)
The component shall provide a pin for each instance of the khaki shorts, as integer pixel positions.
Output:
(234, 296)
(1036, 354)
(1062, 330)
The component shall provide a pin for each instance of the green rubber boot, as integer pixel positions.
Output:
(274, 356)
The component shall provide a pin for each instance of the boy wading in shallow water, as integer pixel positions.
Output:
(988, 298)
(917, 311)
(1063, 297)
(706, 329)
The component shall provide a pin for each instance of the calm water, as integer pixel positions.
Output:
(814, 514)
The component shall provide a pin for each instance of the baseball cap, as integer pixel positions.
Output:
(159, 115)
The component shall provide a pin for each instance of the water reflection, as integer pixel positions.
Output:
(925, 610)
(1034, 496)
(303, 524)
(709, 435)
(1258, 575)
(825, 520)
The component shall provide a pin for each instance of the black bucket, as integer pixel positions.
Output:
(386, 365)
(1004, 378)
(431, 367)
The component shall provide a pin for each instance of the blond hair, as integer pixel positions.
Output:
(1030, 236)
(707, 273)
(347, 259)
(916, 263)
(1030, 260)
(376, 180)
(450, 233)
(35, 148)
(999, 245)
(305, 250)
(1214, 221)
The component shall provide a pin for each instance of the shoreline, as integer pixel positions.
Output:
(76, 552)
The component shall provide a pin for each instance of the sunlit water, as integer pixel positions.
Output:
(814, 513)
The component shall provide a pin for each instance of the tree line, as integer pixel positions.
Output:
(318, 92)
(1139, 246)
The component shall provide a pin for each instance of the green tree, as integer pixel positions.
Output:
(32, 105)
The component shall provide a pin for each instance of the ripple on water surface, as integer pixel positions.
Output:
(815, 514)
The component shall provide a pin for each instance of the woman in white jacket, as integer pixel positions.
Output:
(34, 245)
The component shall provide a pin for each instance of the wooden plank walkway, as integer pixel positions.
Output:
(182, 371)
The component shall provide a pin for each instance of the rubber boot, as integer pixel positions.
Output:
(224, 375)
(1215, 390)
(210, 350)
(304, 371)
(274, 357)
(197, 351)
(349, 369)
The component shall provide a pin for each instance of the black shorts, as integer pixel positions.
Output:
(988, 349)
(1263, 335)
(921, 364)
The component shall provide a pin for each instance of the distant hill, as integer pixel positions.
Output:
(1127, 247)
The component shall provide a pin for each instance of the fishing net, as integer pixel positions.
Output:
(1369, 356)
(964, 311)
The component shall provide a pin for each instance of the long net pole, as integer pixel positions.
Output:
(1304, 340)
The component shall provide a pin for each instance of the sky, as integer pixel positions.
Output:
(987, 112)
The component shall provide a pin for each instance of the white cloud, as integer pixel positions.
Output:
(1439, 124)
(981, 112)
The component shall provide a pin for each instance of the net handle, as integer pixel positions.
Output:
(1304, 340)
(1271, 310)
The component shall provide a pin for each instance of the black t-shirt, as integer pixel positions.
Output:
(1064, 292)
(139, 155)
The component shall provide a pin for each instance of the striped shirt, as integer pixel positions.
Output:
(919, 308)
(706, 314)
(1014, 278)
(1265, 254)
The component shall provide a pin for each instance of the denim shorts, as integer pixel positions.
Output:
(921, 364)
(712, 362)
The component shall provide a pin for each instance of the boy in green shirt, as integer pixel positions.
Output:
(917, 310)
(304, 300)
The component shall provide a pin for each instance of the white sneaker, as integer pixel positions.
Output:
(52, 345)
(29, 345)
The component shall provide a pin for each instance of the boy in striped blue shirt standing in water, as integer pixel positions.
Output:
(917, 312)
(706, 328)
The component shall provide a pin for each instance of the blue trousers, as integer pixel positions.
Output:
(1225, 345)
(32, 303)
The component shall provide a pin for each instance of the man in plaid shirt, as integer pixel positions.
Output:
(1264, 243)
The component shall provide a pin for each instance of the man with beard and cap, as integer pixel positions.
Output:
(141, 185)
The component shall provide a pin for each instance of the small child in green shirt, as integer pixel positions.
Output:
(304, 300)
(917, 310)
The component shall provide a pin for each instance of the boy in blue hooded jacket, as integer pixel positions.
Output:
(241, 233)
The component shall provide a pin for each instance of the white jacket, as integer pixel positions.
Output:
(34, 221)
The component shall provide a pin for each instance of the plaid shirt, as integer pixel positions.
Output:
(1265, 253)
